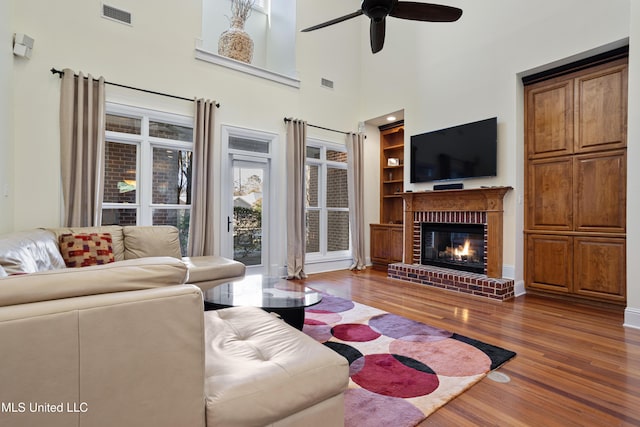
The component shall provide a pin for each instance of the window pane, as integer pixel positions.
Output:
(312, 185)
(337, 188)
(179, 218)
(337, 156)
(313, 152)
(245, 144)
(313, 231)
(123, 124)
(169, 131)
(120, 173)
(337, 231)
(171, 176)
(119, 216)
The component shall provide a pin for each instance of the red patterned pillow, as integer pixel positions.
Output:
(84, 249)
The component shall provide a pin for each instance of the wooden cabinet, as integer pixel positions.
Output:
(386, 244)
(575, 177)
(386, 237)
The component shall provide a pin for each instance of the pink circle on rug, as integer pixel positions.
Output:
(449, 357)
(354, 332)
(326, 317)
(384, 374)
(319, 332)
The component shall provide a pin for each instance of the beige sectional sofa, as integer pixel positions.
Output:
(128, 344)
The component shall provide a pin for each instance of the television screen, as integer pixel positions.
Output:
(465, 151)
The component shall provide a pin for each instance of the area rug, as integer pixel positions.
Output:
(400, 370)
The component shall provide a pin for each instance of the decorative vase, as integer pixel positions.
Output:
(235, 43)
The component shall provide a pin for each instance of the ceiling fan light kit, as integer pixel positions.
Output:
(378, 10)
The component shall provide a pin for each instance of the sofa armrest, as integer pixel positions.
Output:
(135, 274)
(126, 358)
(208, 271)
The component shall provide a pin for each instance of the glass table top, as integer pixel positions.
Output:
(263, 291)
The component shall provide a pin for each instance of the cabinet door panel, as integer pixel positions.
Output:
(549, 262)
(550, 199)
(379, 243)
(601, 192)
(396, 244)
(550, 120)
(601, 110)
(600, 266)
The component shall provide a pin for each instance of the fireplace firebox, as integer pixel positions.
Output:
(455, 246)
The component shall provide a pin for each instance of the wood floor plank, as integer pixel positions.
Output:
(576, 364)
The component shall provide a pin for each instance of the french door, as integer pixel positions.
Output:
(247, 216)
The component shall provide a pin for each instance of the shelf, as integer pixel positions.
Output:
(393, 181)
(394, 147)
(393, 167)
(393, 196)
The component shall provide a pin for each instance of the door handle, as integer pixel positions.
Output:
(229, 222)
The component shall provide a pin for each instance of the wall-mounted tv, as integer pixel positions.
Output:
(464, 151)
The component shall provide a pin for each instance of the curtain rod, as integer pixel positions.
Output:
(287, 119)
(61, 73)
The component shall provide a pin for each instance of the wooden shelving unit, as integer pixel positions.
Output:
(386, 237)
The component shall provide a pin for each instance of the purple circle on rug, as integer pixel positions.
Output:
(399, 327)
(379, 411)
(319, 332)
(354, 332)
(331, 304)
(395, 376)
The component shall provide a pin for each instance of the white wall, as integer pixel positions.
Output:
(445, 74)
(6, 118)
(157, 53)
(632, 314)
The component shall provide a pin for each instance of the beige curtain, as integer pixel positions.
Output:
(296, 230)
(201, 229)
(355, 185)
(82, 117)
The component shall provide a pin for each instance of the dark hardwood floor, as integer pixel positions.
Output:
(576, 364)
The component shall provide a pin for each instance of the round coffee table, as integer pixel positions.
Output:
(272, 294)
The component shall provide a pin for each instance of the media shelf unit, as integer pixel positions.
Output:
(386, 237)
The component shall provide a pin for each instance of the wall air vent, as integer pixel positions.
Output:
(116, 14)
(326, 83)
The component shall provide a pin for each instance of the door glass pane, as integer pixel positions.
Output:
(246, 144)
(313, 231)
(179, 218)
(313, 152)
(119, 216)
(171, 176)
(247, 214)
(120, 172)
(337, 231)
(337, 188)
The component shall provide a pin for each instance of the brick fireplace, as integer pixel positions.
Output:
(456, 212)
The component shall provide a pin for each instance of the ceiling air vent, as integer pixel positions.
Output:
(116, 14)
(326, 83)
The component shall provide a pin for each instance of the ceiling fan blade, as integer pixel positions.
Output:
(333, 21)
(376, 34)
(425, 12)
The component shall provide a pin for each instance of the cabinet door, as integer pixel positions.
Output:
(549, 262)
(600, 267)
(396, 244)
(379, 243)
(601, 192)
(550, 119)
(601, 110)
(550, 194)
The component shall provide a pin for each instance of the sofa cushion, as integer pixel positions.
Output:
(29, 251)
(152, 240)
(209, 268)
(258, 369)
(129, 275)
(117, 238)
(85, 249)
(2, 272)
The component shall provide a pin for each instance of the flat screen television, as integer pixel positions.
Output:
(464, 151)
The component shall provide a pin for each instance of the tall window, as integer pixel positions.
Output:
(327, 208)
(147, 178)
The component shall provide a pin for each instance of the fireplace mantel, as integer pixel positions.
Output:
(489, 200)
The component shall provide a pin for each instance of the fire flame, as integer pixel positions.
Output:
(461, 251)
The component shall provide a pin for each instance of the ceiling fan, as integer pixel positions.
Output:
(378, 10)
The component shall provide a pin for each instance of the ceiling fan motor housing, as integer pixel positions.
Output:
(378, 9)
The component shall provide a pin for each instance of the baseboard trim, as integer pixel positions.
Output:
(519, 289)
(632, 318)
